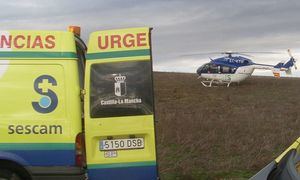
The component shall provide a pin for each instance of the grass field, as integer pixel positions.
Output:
(223, 133)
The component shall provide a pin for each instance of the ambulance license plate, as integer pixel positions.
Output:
(117, 144)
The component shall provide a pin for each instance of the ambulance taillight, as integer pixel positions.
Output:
(80, 150)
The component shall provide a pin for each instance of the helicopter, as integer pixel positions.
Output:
(235, 67)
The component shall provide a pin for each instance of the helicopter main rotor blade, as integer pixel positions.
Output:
(201, 54)
(237, 53)
(243, 53)
(261, 52)
(290, 53)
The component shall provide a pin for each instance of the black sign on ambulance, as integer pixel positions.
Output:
(121, 89)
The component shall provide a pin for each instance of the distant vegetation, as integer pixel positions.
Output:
(223, 133)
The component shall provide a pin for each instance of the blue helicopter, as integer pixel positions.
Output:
(230, 68)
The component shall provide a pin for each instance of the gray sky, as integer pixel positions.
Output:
(180, 27)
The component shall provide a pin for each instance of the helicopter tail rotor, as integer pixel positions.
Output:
(285, 65)
(293, 60)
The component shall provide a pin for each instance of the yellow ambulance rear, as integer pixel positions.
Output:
(65, 114)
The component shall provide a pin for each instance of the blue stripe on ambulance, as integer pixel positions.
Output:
(132, 173)
(39, 154)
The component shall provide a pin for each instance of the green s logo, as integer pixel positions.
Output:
(49, 100)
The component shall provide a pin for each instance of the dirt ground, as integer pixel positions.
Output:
(223, 133)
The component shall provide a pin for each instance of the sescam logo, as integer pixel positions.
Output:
(49, 101)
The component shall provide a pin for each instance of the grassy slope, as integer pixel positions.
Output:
(217, 133)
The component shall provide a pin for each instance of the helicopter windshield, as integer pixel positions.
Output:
(210, 68)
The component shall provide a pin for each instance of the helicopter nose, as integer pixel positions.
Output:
(199, 71)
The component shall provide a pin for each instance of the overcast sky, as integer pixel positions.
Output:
(180, 27)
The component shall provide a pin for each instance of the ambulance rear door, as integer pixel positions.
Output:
(119, 106)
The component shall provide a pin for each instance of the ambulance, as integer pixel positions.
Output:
(68, 111)
(285, 167)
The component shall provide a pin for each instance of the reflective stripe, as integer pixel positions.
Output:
(117, 165)
(37, 146)
(36, 55)
(118, 54)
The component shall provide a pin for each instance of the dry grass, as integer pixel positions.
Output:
(218, 133)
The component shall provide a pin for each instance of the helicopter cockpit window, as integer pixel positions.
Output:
(204, 68)
(213, 68)
(226, 69)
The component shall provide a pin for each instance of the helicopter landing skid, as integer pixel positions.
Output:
(212, 82)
